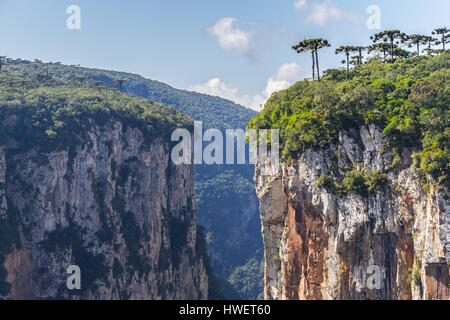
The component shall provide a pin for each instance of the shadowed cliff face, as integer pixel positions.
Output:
(390, 243)
(115, 206)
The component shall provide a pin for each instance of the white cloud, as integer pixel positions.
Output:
(300, 4)
(322, 13)
(231, 38)
(215, 87)
(286, 76)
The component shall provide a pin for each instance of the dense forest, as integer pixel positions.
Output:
(215, 112)
(52, 113)
(408, 98)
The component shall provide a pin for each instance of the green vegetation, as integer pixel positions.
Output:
(225, 200)
(201, 248)
(54, 115)
(362, 183)
(408, 99)
(222, 185)
(38, 111)
(414, 276)
(348, 50)
(247, 278)
(215, 112)
(2, 59)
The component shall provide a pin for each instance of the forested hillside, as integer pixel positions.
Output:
(408, 99)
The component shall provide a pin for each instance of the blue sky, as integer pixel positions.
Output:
(238, 49)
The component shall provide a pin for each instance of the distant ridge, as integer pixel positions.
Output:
(213, 111)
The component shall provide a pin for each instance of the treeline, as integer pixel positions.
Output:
(215, 112)
(389, 43)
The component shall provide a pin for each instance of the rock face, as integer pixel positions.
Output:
(115, 206)
(390, 244)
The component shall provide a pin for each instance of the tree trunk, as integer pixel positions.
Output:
(313, 66)
(317, 63)
(418, 49)
(348, 64)
(392, 50)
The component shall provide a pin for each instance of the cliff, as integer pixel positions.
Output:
(86, 180)
(322, 246)
(360, 207)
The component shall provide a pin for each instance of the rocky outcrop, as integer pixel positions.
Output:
(115, 206)
(392, 243)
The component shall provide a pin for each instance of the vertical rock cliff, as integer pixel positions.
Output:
(391, 243)
(115, 207)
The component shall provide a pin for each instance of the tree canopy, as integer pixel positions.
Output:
(52, 115)
(408, 99)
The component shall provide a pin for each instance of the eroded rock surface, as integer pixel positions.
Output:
(393, 243)
(114, 205)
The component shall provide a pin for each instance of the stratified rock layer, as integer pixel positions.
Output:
(392, 244)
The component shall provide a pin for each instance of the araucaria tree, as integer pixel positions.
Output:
(80, 80)
(429, 41)
(445, 35)
(380, 47)
(347, 50)
(359, 50)
(121, 82)
(304, 46)
(2, 61)
(355, 60)
(416, 40)
(313, 45)
(394, 37)
(100, 86)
